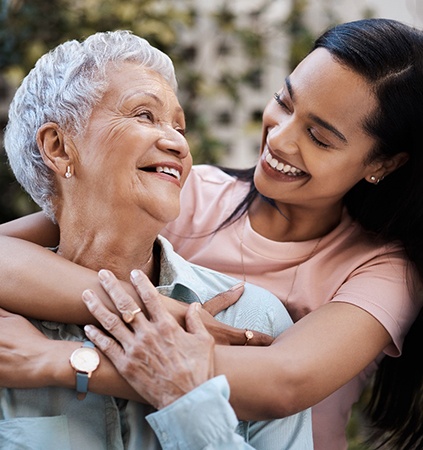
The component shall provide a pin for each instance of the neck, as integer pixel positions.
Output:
(117, 253)
(295, 224)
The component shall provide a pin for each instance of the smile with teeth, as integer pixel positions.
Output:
(169, 171)
(281, 167)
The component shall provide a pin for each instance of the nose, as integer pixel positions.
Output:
(174, 141)
(283, 136)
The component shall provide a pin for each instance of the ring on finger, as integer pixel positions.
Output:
(129, 316)
(248, 336)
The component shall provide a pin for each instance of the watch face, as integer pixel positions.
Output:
(85, 359)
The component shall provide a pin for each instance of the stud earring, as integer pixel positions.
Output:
(374, 180)
(68, 173)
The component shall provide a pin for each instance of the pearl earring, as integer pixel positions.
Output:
(374, 180)
(68, 173)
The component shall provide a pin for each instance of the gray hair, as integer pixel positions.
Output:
(63, 87)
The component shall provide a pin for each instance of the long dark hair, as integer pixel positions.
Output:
(389, 55)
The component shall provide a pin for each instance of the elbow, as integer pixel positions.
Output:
(293, 391)
(286, 402)
(282, 394)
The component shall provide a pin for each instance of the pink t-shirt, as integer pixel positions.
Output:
(345, 265)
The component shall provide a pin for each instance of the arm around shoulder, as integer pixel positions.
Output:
(36, 228)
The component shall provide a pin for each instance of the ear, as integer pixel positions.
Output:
(382, 169)
(51, 143)
(395, 162)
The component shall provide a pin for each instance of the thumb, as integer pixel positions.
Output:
(223, 300)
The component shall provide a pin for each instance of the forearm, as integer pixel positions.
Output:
(259, 385)
(305, 364)
(37, 283)
(55, 370)
(33, 228)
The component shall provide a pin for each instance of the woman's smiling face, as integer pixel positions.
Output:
(133, 155)
(314, 146)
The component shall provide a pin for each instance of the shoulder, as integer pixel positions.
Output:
(351, 244)
(206, 173)
(205, 180)
(208, 197)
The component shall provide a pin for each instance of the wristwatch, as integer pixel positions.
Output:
(84, 360)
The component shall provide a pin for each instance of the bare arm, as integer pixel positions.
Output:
(34, 228)
(37, 283)
(305, 364)
(28, 359)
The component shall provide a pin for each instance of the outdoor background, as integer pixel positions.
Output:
(230, 57)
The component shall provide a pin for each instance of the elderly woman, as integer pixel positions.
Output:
(96, 137)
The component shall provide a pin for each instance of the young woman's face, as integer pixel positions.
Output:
(314, 146)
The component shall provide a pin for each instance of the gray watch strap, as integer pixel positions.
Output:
(81, 377)
(81, 382)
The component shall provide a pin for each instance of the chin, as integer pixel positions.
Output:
(170, 215)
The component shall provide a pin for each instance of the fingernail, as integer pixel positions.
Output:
(237, 286)
(135, 274)
(197, 307)
(87, 296)
(104, 275)
(88, 329)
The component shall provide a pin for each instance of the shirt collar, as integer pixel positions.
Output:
(178, 279)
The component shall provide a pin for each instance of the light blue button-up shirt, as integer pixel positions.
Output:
(52, 418)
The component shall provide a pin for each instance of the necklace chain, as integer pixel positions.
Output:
(312, 253)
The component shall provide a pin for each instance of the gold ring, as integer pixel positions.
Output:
(248, 336)
(129, 316)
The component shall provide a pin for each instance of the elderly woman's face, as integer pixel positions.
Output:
(133, 156)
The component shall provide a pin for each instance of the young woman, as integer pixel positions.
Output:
(331, 221)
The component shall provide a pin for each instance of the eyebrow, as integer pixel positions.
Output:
(315, 118)
(153, 96)
(178, 109)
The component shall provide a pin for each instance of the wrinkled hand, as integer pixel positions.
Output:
(155, 355)
(21, 350)
(222, 333)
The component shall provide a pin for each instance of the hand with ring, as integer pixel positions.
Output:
(128, 316)
(161, 360)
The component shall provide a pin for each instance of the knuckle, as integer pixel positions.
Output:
(127, 367)
(150, 338)
(122, 300)
(209, 339)
(111, 322)
(166, 327)
(151, 295)
(105, 343)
